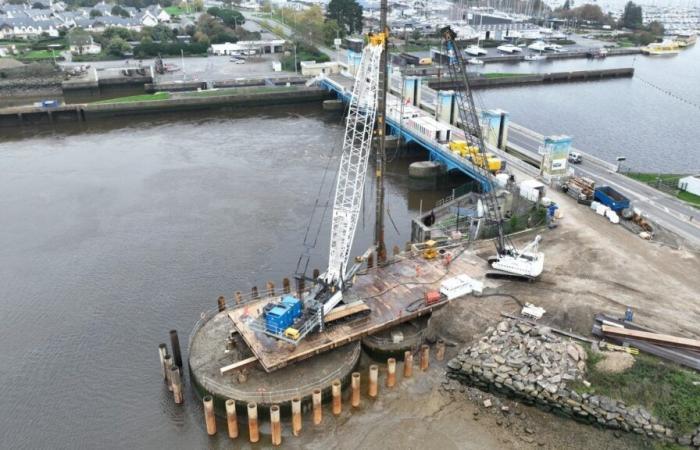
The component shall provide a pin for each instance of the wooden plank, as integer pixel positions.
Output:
(346, 310)
(677, 355)
(661, 339)
(238, 365)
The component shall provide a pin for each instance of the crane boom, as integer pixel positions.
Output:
(357, 143)
(469, 122)
(509, 261)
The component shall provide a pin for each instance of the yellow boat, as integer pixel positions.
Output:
(661, 48)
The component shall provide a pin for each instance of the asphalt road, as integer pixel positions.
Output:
(665, 210)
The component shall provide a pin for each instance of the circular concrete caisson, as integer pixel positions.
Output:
(209, 352)
(425, 169)
(395, 341)
(333, 105)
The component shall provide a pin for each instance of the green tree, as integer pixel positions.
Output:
(567, 5)
(118, 47)
(632, 16)
(39, 5)
(119, 11)
(348, 14)
(310, 23)
(590, 12)
(656, 28)
(416, 34)
(331, 30)
(160, 33)
(95, 13)
(230, 17)
(112, 32)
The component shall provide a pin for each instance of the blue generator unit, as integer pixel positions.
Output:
(280, 316)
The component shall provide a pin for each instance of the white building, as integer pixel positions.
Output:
(25, 27)
(84, 45)
(312, 68)
(269, 46)
(690, 184)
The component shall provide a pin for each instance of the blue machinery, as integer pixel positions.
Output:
(437, 153)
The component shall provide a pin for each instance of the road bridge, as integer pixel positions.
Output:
(342, 86)
(523, 150)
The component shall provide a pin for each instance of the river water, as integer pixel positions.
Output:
(652, 118)
(114, 233)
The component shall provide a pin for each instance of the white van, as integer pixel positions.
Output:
(575, 158)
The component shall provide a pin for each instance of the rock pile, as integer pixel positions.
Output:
(534, 366)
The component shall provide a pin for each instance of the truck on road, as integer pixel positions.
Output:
(611, 198)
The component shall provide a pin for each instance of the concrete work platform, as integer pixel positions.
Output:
(388, 292)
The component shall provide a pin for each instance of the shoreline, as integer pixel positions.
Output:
(190, 101)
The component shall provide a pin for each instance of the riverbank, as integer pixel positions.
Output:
(533, 365)
(667, 183)
(164, 102)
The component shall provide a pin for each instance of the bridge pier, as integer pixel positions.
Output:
(495, 123)
(411, 90)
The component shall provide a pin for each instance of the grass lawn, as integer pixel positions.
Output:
(415, 47)
(665, 389)
(652, 177)
(175, 10)
(137, 98)
(668, 179)
(240, 91)
(502, 74)
(38, 54)
(690, 198)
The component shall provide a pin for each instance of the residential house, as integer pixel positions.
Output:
(83, 44)
(6, 30)
(26, 27)
(147, 19)
(159, 13)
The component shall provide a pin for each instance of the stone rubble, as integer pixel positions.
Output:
(532, 365)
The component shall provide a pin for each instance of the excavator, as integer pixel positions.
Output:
(509, 262)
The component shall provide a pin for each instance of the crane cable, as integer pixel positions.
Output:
(308, 246)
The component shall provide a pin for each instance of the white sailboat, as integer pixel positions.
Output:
(475, 50)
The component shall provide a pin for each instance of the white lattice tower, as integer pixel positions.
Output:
(357, 145)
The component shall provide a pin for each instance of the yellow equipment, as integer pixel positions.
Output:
(430, 252)
(458, 146)
(492, 162)
(292, 333)
(620, 348)
(377, 38)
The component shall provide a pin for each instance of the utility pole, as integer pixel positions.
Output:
(381, 130)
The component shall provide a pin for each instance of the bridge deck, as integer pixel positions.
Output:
(343, 86)
(388, 291)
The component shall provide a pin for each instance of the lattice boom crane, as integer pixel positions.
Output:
(527, 263)
(352, 173)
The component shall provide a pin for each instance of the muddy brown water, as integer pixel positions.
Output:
(112, 233)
